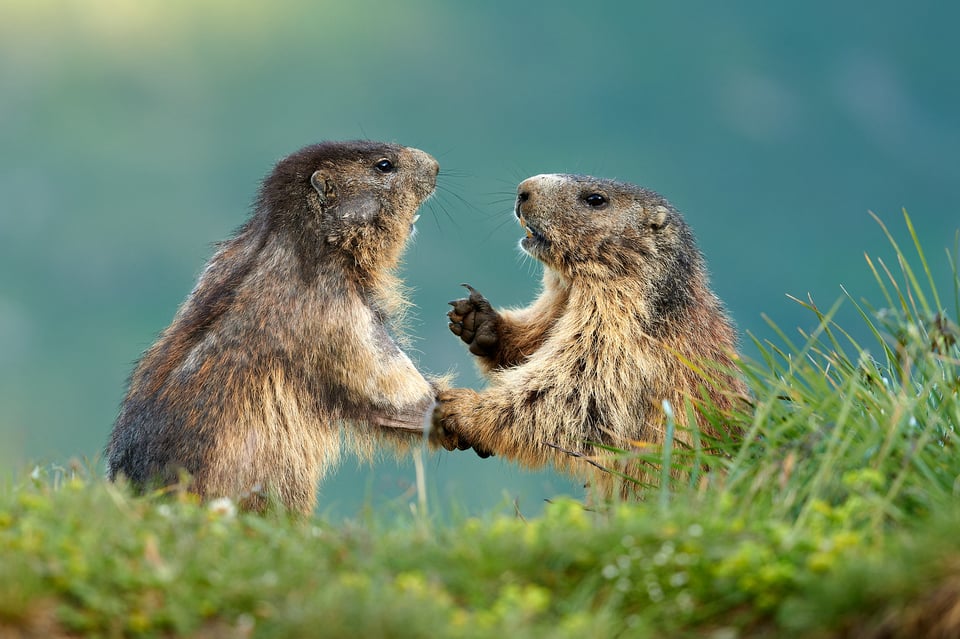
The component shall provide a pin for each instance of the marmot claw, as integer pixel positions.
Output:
(475, 321)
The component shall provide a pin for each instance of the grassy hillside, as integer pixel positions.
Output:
(836, 517)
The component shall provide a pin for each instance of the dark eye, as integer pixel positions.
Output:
(596, 200)
(384, 166)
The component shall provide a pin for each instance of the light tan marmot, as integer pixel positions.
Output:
(285, 343)
(625, 321)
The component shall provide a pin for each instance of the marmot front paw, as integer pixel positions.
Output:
(445, 431)
(475, 322)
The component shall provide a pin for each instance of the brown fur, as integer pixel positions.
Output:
(285, 344)
(625, 301)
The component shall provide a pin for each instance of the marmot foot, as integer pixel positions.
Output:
(475, 322)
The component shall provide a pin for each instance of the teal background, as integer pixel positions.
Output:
(133, 136)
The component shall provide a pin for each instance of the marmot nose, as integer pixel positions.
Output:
(425, 161)
(522, 196)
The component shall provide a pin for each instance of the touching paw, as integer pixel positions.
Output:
(474, 321)
(445, 429)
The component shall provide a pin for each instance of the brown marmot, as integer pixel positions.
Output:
(285, 344)
(625, 321)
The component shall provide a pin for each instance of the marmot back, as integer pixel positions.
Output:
(625, 309)
(286, 339)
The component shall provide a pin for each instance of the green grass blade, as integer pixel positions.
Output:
(923, 261)
(666, 467)
(914, 287)
(880, 282)
(954, 262)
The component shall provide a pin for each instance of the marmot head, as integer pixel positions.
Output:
(587, 227)
(358, 198)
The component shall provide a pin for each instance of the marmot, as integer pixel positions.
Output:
(625, 321)
(285, 342)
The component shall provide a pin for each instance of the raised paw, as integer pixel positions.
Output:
(474, 321)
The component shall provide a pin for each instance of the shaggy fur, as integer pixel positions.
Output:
(284, 345)
(625, 301)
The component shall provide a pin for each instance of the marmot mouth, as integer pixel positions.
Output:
(413, 223)
(534, 236)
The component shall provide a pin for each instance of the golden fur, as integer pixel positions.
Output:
(625, 301)
(285, 343)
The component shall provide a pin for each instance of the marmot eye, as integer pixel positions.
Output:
(384, 166)
(596, 200)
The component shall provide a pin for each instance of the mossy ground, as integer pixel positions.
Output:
(83, 558)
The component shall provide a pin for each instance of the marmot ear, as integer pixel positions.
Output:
(324, 186)
(659, 218)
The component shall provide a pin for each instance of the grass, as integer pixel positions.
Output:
(836, 516)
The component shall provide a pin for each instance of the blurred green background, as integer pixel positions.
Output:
(133, 135)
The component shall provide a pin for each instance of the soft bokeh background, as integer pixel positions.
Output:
(133, 135)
